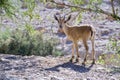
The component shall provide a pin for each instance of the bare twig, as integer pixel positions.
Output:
(99, 10)
(112, 5)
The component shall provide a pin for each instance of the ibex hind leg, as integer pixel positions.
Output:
(86, 47)
(93, 50)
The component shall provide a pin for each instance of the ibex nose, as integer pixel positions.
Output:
(60, 26)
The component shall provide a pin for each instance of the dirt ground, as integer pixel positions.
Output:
(53, 68)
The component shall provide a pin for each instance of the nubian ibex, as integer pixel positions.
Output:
(77, 33)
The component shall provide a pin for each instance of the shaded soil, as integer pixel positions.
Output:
(53, 68)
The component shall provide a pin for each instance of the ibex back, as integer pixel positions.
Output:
(77, 33)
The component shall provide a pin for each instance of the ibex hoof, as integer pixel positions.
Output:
(77, 60)
(93, 62)
(71, 60)
(83, 63)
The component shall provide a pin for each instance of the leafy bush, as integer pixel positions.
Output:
(114, 45)
(25, 42)
(9, 7)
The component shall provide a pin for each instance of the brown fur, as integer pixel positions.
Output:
(77, 33)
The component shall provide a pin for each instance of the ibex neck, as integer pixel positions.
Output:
(66, 28)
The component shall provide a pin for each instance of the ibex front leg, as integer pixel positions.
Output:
(73, 49)
(76, 47)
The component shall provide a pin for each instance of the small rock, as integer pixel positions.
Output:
(8, 68)
(3, 76)
(49, 5)
(54, 78)
(104, 32)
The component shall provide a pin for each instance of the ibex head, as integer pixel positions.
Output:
(61, 20)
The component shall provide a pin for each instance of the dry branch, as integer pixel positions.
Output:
(98, 10)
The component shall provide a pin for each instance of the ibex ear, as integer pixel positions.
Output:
(55, 17)
(69, 17)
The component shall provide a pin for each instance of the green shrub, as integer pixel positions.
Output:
(25, 42)
(114, 45)
(111, 59)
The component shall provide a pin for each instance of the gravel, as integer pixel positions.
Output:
(52, 68)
